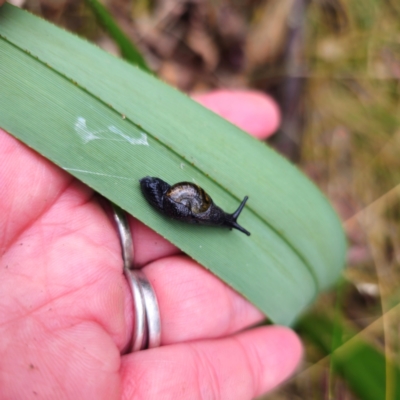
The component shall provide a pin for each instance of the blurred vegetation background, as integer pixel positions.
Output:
(334, 68)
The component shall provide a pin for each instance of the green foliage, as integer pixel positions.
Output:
(128, 49)
(365, 368)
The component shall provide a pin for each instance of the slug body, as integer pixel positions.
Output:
(188, 202)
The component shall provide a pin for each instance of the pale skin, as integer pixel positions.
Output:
(66, 311)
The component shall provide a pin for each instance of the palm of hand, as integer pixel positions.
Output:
(62, 302)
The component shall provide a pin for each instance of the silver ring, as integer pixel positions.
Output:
(147, 326)
(125, 236)
(153, 321)
(139, 334)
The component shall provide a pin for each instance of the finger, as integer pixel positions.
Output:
(252, 111)
(240, 367)
(149, 245)
(194, 304)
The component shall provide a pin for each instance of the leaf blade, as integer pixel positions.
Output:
(295, 246)
(128, 50)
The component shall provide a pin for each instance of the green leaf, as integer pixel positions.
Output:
(364, 368)
(127, 48)
(109, 124)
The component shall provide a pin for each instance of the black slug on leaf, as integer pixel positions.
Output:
(188, 202)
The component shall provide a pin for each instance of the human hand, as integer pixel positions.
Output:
(66, 310)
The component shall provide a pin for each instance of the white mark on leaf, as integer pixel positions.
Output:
(96, 173)
(82, 130)
(142, 140)
(88, 135)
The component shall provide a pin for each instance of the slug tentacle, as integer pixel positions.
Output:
(236, 214)
(188, 202)
(231, 218)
